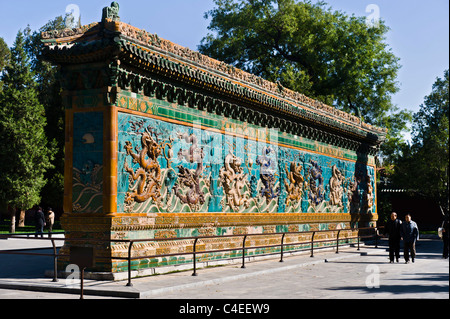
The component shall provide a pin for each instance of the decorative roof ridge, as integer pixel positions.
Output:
(68, 34)
(154, 42)
(144, 38)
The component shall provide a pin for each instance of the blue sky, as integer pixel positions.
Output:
(419, 33)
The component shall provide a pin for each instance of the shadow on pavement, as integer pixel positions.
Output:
(397, 289)
(25, 266)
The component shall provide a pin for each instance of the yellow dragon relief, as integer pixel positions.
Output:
(148, 175)
(295, 186)
(233, 180)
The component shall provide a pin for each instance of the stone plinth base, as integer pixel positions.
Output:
(170, 232)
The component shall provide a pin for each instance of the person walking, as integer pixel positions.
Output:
(40, 222)
(410, 234)
(392, 230)
(50, 220)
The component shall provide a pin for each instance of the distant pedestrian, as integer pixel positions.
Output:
(50, 219)
(392, 230)
(410, 234)
(40, 221)
(445, 236)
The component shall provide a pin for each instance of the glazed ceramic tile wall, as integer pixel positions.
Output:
(197, 164)
(162, 142)
(87, 162)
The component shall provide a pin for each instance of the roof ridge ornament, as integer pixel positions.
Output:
(111, 12)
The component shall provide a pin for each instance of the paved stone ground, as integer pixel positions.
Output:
(351, 274)
(361, 277)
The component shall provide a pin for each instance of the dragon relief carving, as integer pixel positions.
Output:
(294, 183)
(194, 197)
(368, 197)
(360, 192)
(146, 180)
(353, 195)
(336, 187)
(267, 174)
(147, 177)
(233, 180)
(316, 190)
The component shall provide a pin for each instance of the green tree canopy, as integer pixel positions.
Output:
(308, 48)
(4, 58)
(424, 164)
(4, 54)
(25, 154)
(49, 95)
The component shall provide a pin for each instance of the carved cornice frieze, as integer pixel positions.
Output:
(235, 93)
(190, 97)
(55, 36)
(144, 63)
(138, 38)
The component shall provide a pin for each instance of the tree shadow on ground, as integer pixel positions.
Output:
(26, 266)
(436, 283)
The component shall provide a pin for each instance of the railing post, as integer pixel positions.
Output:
(358, 238)
(312, 244)
(194, 257)
(376, 237)
(55, 262)
(243, 252)
(337, 242)
(82, 283)
(282, 239)
(129, 284)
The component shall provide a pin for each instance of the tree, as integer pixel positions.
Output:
(49, 95)
(395, 147)
(308, 48)
(4, 57)
(4, 54)
(25, 154)
(424, 166)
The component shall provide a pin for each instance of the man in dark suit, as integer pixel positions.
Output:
(40, 221)
(410, 234)
(392, 230)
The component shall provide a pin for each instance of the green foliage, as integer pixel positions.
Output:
(25, 154)
(424, 164)
(4, 58)
(47, 90)
(4, 54)
(49, 95)
(309, 48)
(395, 146)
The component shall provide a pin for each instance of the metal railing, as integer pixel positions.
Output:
(19, 251)
(195, 252)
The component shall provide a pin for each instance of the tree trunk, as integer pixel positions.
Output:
(12, 226)
(21, 219)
